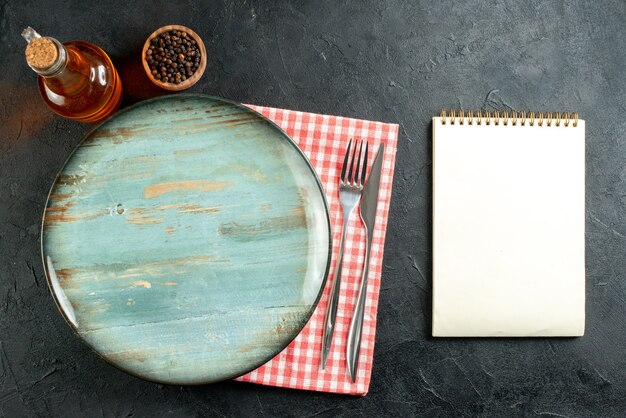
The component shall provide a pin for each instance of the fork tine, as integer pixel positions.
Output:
(362, 180)
(345, 162)
(357, 172)
(351, 172)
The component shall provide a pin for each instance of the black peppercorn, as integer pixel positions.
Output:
(173, 56)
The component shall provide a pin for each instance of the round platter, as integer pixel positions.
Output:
(186, 240)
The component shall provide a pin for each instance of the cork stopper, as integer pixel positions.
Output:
(41, 53)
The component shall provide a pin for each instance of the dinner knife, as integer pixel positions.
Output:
(369, 204)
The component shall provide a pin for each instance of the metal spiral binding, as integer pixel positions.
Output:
(506, 118)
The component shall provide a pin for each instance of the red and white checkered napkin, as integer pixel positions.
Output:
(324, 140)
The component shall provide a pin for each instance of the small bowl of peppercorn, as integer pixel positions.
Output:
(174, 57)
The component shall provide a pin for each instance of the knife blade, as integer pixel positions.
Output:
(369, 205)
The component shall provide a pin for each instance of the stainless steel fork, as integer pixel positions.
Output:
(350, 189)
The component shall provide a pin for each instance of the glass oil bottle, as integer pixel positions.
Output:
(77, 79)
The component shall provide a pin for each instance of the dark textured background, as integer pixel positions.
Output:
(389, 61)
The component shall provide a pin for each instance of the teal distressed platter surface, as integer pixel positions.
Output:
(186, 240)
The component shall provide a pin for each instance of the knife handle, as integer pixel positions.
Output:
(353, 347)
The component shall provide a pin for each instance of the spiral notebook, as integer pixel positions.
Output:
(508, 224)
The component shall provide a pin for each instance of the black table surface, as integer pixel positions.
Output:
(390, 61)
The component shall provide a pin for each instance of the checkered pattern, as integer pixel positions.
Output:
(324, 140)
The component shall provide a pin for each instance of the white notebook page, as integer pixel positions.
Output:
(508, 230)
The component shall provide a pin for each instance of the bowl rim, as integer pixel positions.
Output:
(196, 75)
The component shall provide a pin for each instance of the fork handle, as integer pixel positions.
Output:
(353, 346)
(333, 301)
